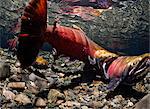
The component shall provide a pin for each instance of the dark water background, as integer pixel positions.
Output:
(123, 29)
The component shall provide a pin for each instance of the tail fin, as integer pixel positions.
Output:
(34, 18)
(33, 26)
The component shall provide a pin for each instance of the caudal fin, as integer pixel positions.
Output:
(34, 18)
(33, 26)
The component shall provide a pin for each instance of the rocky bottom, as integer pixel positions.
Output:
(62, 84)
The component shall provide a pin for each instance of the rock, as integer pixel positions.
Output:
(15, 77)
(33, 77)
(61, 75)
(17, 85)
(16, 69)
(4, 70)
(8, 94)
(130, 104)
(40, 102)
(17, 64)
(69, 95)
(42, 84)
(144, 103)
(41, 63)
(59, 102)
(84, 107)
(22, 99)
(68, 103)
(38, 81)
(97, 104)
(54, 95)
(31, 87)
(51, 81)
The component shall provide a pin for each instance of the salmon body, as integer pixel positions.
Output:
(70, 41)
(74, 43)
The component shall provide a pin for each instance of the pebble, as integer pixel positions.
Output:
(16, 85)
(41, 84)
(129, 104)
(83, 96)
(97, 104)
(61, 75)
(4, 70)
(51, 81)
(69, 103)
(40, 102)
(54, 95)
(59, 102)
(33, 77)
(17, 64)
(22, 99)
(32, 88)
(84, 107)
(15, 77)
(8, 94)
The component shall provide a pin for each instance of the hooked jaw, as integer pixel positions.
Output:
(134, 70)
(125, 70)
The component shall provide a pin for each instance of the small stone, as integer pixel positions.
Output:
(22, 99)
(8, 95)
(42, 84)
(69, 103)
(16, 69)
(84, 107)
(4, 70)
(105, 107)
(97, 104)
(40, 102)
(77, 104)
(32, 77)
(51, 81)
(61, 75)
(32, 88)
(130, 104)
(54, 76)
(41, 61)
(54, 95)
(17, 64)
(15, 78)
(16, 85)
(60, 101)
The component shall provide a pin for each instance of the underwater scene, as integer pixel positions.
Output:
(74, 54)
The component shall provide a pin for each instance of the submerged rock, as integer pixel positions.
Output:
(22, 99)
(54, 95)
(144, 103)
(9, 95)
(17, 85)
(4, 70)
(40, 102)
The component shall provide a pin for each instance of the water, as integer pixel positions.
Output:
(123, 29)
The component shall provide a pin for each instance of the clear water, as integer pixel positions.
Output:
(122, 28)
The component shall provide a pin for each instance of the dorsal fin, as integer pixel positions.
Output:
(34, 18)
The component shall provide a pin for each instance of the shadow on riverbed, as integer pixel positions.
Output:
(126, 92)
